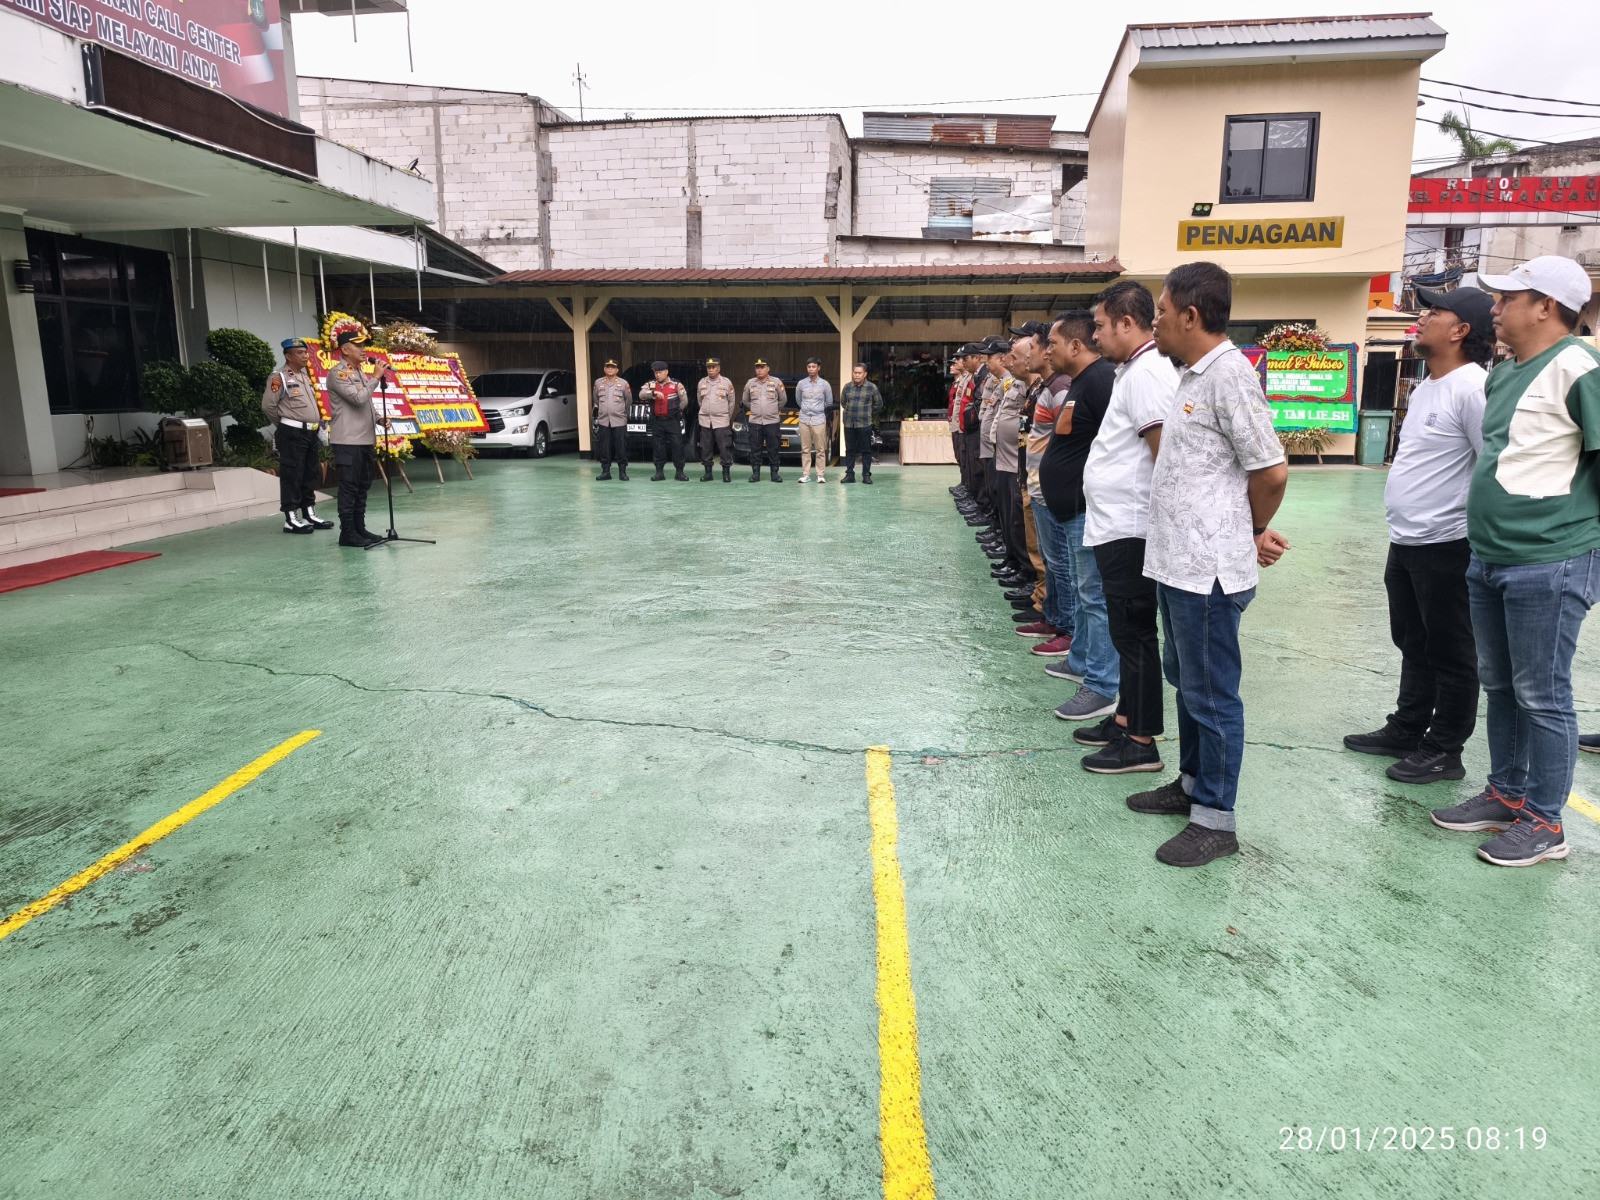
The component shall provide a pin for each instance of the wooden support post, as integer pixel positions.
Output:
(580, 318)
(846, 318)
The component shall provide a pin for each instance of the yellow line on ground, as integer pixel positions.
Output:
(907, 1172)
(1592, 811)
(155, 833)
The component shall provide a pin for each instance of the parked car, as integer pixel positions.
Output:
(528, 409)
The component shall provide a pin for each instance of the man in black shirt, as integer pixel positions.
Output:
(1093, 659)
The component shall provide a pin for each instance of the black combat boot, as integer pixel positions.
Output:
(680, 476)
(866, 475)
(755, 475)
(604, 474)
(706, 478)
(776, 478)
(622, 474)
(659, 475)
(727, 473)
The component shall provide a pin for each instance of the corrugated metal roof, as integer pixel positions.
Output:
(919, 273)
(967, 129)
(1273, 32)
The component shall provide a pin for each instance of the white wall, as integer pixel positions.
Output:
(622, 193)
(892, 186)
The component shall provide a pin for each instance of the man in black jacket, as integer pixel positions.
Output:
(1093, 660)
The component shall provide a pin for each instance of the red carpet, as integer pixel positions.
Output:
(19, 491)
(52, 569)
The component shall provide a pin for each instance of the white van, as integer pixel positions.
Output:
(527, 408)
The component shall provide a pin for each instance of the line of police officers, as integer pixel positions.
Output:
(760, 406)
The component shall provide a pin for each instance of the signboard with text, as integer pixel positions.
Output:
(424, 392)
(1507, 194)
(1309, 388)
(1281, 234)
(232, 46)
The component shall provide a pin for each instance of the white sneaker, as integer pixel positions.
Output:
(805, 479)
(822, 479)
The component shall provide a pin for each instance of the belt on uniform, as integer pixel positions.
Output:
(297, 424)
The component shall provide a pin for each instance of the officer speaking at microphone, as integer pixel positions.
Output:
(355, 436)
(290, 402)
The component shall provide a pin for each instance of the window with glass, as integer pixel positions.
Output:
(104, 311)
(1270, 158)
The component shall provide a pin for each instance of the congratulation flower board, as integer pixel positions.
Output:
(426, 392)
(1309, 382)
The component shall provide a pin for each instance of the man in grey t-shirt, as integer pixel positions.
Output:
(1218, 480)
(1425, 498)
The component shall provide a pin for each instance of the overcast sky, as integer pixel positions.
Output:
(654, 59)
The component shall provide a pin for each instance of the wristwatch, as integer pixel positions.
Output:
(1258, 531)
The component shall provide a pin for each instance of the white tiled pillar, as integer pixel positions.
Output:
(27, 443)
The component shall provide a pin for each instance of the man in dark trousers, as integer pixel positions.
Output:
(612, 395)
(763, 403)
(860, 402)
(668, 402)
(355, 436)
(290, 403)
(1425, 497)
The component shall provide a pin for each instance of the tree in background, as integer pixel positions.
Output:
(1473, 146)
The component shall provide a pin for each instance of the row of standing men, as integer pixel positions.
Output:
(1125, 503)
(760, 406)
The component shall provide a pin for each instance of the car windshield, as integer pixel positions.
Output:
(509, 385)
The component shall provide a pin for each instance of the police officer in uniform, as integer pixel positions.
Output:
(612, 395)
(764, 397)
(290, 402)
(716, 420)
(354, 437)
(667, 399)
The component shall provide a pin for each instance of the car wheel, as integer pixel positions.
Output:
(541, 442)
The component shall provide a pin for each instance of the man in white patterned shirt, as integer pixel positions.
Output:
(1218, 480)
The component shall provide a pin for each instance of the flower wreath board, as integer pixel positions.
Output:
(1308, 386)
(426, 392)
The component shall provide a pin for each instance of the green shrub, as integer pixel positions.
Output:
(245, 353)
(161, 387)
(214, 390)
(244, 439)
(111, 451)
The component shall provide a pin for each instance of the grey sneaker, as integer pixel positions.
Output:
(1060, 671)
(1168, 800)
(1086, 705)
(1486, 810)
(1530, 840)
(1589, 742)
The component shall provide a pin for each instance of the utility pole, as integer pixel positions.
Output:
(582, 83)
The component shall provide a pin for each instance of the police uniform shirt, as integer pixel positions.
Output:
(716, 402)
(611, 399)
(993, 389)
(763, 399)
(1007, 426)
(350, 396)
(290, 395)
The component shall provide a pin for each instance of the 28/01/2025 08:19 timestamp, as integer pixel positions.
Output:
(1380, 1138)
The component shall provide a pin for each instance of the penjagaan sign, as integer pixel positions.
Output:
(1281, 234)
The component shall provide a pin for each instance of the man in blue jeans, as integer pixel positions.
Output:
(1218, 480)
(1092, 659)
(1533, 522)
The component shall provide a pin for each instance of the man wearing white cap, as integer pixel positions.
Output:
(1533, 522)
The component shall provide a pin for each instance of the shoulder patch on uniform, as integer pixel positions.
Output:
(277, 384)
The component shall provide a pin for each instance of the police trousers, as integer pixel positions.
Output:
(666, 434)
(611, 445)
(298, 471)
(715, 440)
(768, 440)
(357, 467)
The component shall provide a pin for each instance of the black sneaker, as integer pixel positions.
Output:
(1387, 741)
(1196, 845)
(1589, 742)
(1101, 733)
(1168, 800)
(1123, 756)
(1427, 766)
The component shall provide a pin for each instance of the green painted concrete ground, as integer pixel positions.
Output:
(572, 899)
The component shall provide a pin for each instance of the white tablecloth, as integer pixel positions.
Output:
(926, 442)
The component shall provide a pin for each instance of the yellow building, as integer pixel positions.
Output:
(1280, 149)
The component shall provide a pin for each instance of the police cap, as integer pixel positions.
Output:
(969, 348)
(713, 362)
(658, 365)
(761, 362)
(1036, 329)
(294, 344)
(611, 362)
(350, 335)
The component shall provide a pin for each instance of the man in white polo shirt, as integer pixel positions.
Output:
(1116, 491)
(1426, 575)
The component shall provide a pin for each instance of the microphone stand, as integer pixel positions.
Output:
(388, 481)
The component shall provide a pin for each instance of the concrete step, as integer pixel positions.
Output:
(134, 510)
(92, 494)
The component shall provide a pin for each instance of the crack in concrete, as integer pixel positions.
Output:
(616, 722)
